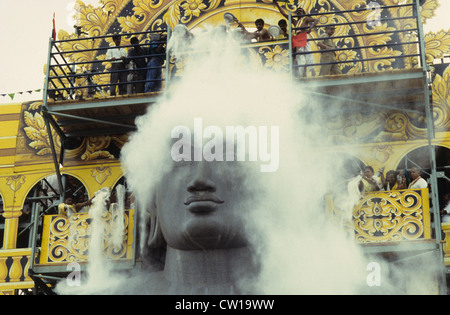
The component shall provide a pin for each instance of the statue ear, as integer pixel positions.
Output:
(155, 238)
(154, 249)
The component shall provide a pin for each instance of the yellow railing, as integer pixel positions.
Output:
(392, 216)
(66, 239)
(387, 216)
(446, 247)
(14, 264)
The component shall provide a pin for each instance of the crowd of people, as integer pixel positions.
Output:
(396, 180)
(139, 69)
(71, 205)
(301, 46)
(80, 204)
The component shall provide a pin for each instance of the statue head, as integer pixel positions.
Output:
(170, 193)
(197, 205)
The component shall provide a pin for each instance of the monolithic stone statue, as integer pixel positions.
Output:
(196, 231)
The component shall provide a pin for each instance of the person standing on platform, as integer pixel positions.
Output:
(157, 52)
(117, 56)
(417, 181)
(329, 57)
(137, 55)
(368, 182)
(300, 43)
(261, 34)
(284, 34)
(69, 207)
(392, 181)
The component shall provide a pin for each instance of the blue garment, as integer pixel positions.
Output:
(153, 78)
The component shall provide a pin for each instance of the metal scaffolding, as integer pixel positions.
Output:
(69, 117)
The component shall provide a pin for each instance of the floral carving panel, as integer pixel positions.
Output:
(392, 216)
(66, 239)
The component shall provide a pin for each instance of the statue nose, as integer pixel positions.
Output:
(202, 179)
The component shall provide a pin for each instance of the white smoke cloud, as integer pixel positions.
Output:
(301, 250)
(100, 277)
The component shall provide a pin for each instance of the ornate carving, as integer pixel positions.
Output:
(276, 57)
(382, 153)
(67, 239)
(95, 148)
(398, 215)
(91, 148)
(15, 182)
(37, 133)
(101, 174)
(14, 266)
(441, 101)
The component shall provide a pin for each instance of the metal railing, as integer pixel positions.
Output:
(407, 40)
(74, 73)
(78, 68)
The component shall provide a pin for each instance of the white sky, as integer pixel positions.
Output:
(27, 26)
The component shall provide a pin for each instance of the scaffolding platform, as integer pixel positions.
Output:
(395, 89)
(100, 116)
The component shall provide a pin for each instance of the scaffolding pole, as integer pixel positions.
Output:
(431, 151)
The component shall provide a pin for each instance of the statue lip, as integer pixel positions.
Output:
(203, 199)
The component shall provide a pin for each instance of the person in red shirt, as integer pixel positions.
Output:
(300, 44)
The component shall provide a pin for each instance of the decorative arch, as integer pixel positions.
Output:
(82, 178)
(420, 154)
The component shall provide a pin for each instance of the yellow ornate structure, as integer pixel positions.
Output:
(392, 216)
(14, 265)
(446, 229)
(66, 239)
(383, 137)
(25, 162)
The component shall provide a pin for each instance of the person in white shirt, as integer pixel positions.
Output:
(117, 56)
(417, 181)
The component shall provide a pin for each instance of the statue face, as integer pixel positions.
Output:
(200, 205)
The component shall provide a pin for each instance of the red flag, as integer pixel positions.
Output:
(54, 28)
